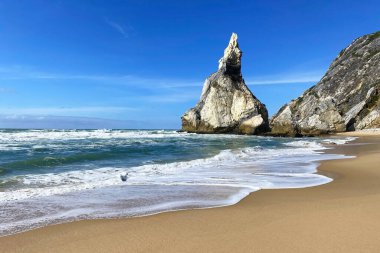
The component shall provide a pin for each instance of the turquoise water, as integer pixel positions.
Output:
(52, 176)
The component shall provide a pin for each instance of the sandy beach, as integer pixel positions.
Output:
(342, 216)
(365, 132)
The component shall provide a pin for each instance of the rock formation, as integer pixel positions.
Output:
(226, 104)
(345, 99)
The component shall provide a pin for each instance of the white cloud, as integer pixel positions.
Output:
(119, 28)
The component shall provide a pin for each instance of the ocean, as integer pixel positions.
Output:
(55, 176)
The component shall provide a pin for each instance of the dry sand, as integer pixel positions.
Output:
(342, 216)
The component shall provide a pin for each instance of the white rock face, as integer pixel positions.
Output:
(370, 121)
(232, 54)
(226, 104)
(347, 97)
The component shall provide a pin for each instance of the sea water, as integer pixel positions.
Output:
(55, 176)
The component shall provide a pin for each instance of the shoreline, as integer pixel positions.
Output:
(168, 231)
(221, 181)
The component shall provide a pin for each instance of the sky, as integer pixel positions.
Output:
(142, 64)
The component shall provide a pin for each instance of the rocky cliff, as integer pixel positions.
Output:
(345, 99)
(226, 104)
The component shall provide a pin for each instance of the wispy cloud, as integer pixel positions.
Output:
(175, 97)
(286, 78)
(66, 122)
(19, 73)
(15, 73)
(118, 27)
(5, 90)
(63, 110)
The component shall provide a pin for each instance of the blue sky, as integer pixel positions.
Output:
(142, 64)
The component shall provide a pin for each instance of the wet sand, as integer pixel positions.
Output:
(342, 216)
(367, 133)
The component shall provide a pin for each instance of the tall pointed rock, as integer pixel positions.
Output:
(226, 104)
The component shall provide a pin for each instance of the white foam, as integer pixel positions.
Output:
(307, 144)
(318, 144)
(57, 139)
(339, 141)
(236, 168)
(112, 203)
(33, 135)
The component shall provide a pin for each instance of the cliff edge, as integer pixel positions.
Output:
(345, 99)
